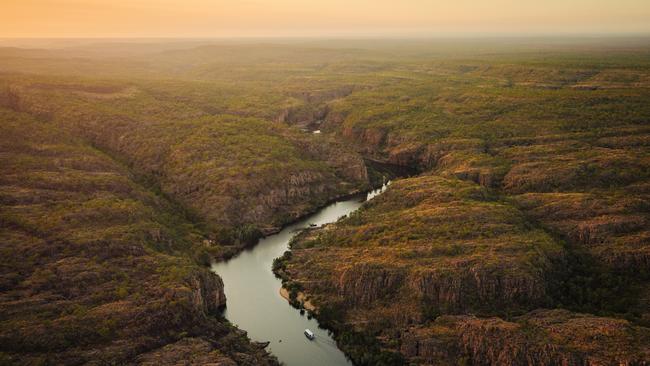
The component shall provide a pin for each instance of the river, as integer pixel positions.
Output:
(254, 301)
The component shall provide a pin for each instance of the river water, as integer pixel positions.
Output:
(254, 301)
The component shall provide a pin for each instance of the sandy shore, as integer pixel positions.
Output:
(301, 298)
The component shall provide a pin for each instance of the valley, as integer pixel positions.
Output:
(515, 230)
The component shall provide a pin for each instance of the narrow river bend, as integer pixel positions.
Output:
(254, 301)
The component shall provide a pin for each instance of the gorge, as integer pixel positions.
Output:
(256, 305)
(136, 180)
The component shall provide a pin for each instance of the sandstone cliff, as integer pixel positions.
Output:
(546, 337)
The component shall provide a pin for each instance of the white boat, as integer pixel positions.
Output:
(309, 334)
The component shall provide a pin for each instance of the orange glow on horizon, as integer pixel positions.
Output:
(208, 18)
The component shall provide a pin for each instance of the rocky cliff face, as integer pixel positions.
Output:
(452, 250)
(470, 284)
(455, 249)
(540, 338)
(207, 292)
(586, 188)
(596, 221)
(466, 287)
(463, 158)
(363, 284)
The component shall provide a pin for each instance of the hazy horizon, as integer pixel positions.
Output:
(486, 43)
(334, 18)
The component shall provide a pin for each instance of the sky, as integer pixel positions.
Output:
(306, 18)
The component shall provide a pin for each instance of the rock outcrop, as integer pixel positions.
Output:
(555, 337)
(363, 284)
(207, 292)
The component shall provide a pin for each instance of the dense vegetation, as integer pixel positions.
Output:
(95, 266)
(524, 240)
(116, 192)
(557, 146)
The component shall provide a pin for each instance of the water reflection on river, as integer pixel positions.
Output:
(255, 305)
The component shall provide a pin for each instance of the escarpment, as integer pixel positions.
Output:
(523, 241)
(380, 144)
(363, 284)
(518, 208)
(577, 339)
(207, 292)
(466, 286)
(399, 274)
(471, 287)
(455, 249)
(596, 222)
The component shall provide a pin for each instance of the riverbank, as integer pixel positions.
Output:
(301, 299)
(258, 307)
